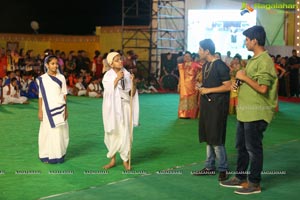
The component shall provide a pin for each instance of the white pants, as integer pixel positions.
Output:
(19, 100)
(119, 139)
(93, 94)
(81, 93)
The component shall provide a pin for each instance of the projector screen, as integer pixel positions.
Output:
(224, 27)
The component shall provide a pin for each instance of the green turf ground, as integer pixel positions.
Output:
(162, 141)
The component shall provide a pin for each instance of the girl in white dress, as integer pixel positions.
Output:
(53, 114)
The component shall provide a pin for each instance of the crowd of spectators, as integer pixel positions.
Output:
(84, 75)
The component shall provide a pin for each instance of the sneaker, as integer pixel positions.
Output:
(204, 171)
(223, 176)
(251, 188)
(234, 182)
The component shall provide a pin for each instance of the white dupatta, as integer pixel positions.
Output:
(111, 107)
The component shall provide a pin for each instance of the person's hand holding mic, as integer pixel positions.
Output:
(205, 91)
(236, 85)
(239, 80)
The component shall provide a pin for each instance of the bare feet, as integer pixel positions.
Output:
(126, 166)
(111, 164)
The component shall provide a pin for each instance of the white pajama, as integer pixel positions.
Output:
(119, 139)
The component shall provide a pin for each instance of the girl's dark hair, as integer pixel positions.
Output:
(13, 79)
(188, 52)
(49, 58)
(238, 56)
(47, 61)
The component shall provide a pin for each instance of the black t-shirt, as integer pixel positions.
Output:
(214, 74)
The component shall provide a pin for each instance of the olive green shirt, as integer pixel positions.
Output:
(252, 105)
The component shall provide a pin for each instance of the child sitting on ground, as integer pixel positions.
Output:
(143, 87)
(79, 89)
(11, 93)
(94, 89)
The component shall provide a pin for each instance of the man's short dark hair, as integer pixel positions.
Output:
(256, 32)
(208, 44)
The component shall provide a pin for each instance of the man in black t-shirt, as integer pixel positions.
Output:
(214, 106)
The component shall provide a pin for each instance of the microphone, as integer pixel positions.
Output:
(122, 80)
(206, 95)
(237, 83)
(123, 83)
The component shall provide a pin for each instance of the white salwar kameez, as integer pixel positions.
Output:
(116, 114)
(54, 131)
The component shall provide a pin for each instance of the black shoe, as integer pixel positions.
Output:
(204, 172)
(223, 176)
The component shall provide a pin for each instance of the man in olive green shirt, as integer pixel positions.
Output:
(257, 99)
(258, 105)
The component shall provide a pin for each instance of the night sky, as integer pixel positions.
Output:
(59, 16)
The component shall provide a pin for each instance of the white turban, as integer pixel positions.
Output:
(110, 57)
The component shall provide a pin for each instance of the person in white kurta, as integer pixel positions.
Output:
(11, 94)
(80, 87)
(54, 128)
(118, 119)
(94, 88)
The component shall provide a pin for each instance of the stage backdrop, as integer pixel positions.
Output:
(278, 23)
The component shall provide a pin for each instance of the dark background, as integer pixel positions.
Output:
(59, 16)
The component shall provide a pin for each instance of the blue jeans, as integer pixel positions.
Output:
(213, 152)
(250, 149)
